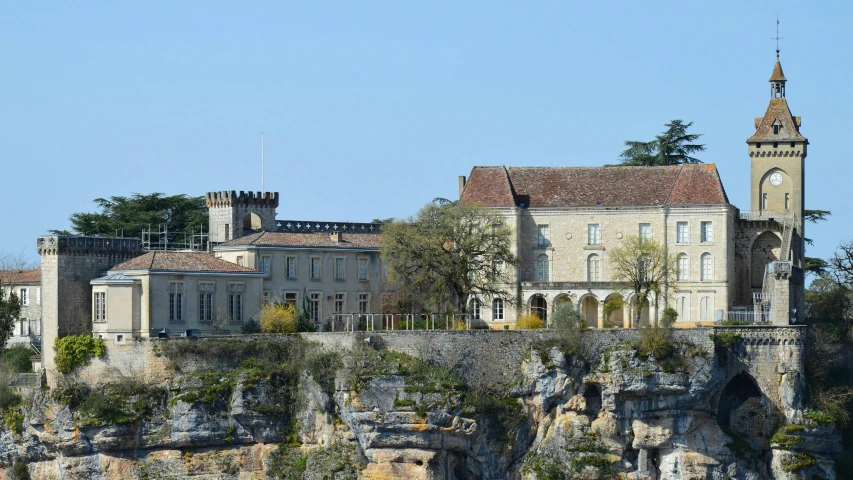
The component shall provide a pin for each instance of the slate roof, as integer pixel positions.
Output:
(181, 262)
(549, 187)
(20, 277)
(790, 131)
(318, 239)
(115, 278)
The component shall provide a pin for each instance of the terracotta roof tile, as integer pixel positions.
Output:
(488, 187)
(537, 187)
(790, 131)
(181, 262)
(20, 276)
(318, 239)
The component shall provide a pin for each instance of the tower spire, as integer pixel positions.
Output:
(777, 79)
(777, 37)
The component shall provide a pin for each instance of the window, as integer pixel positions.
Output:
(314, 306)
(682, 308)
(383, 267)
(764, 201)
(593, 268)
(544, 236)
(682, 232)
(362, 269)
(645, 232)
(290, 267)
(340, 302)
(24, 296)
(290, 298)
(100, 306)
(363, 302)
(707, 269)
(227, 232)
(498, 268)
(777, 126)
(542, 268)
(339, 269)
(24, 327)
(705, 308)
(240, 260)
(205, 302)
(265, 265)
(497, 309)
(176, 301)
(266, 299)
(593, 234)
(119, 338)
(787, 201)
(475, 309)
(682, 267)
(315, 268)
(235, 303)
(707, 232)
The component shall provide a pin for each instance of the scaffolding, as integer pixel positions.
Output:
(163, 239)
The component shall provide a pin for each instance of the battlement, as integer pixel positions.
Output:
(55, 244)
(244, 199)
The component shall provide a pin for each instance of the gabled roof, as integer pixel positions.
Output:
(555, 187)
(314, 239)
(180, 262)
(21, 277)
(777, 110)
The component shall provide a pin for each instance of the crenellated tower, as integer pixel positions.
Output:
(233, 215)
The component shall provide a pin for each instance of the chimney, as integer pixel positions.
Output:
(335, 237)
(461, 185)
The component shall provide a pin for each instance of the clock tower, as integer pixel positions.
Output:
(778, 152)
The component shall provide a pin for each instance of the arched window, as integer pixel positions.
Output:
(475, 309)
(707, 270)
(498, 309)
(682, 267)
(542, 268)
(705, 308)
(593, 268)
(683, 309)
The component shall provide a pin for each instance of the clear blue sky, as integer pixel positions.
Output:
(371, 109)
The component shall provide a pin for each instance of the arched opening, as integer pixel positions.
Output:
(741, 411)
(562, 299)
(614, 311)
(592, 395)
(252, 221)
(589, 310)
(765, 250)
(539, 307)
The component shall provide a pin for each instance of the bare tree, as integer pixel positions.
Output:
(645, 266)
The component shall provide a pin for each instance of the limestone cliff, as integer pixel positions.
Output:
(451, 405)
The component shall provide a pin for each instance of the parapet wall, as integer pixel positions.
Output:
(233, 199)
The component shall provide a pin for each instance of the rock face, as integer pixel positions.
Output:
(606, 413)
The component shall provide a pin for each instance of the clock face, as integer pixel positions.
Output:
(776, 178)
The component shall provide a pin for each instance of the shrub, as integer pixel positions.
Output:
(669, 317)
(611, 306)
(279, 318)
(529, 322)
(567, 317)
(252, 326)
(286, 463)
(76, 350)
(20, 471)
(18, 359)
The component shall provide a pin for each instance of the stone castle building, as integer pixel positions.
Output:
(732, 263)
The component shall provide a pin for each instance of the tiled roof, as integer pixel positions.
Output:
(537, 187)
(777, 75)
(20, 276)
(789, 132)
(291, 239)
(181, 262)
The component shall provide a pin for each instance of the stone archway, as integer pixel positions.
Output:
(589, 311)
(614, 310)
(252, 222)
(741, 411)
(765, 249)
(563, 298)
(539, 307)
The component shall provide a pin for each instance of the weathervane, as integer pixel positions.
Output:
(777, 37)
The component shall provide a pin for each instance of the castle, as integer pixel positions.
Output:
(732, 264)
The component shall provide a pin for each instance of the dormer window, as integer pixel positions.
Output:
(777, 127)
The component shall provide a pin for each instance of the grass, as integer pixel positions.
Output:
(738, 446)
